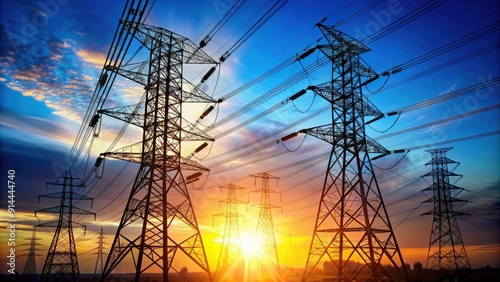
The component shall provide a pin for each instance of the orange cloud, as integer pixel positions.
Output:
(95, 58)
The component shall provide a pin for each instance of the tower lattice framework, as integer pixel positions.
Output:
(269, 260)
(29, 270)
(61, 263)
(159, 201)
(352, 228)
(446, 247)
(99, 265)
(230, 261)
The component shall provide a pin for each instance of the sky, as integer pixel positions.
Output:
(52, 53)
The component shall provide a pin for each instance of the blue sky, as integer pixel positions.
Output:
(51, 57)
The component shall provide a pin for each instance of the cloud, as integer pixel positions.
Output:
(96, 59)
(36, 128)
(49, 73)
(59, 62)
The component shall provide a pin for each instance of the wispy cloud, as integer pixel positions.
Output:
(96, 59)
(58, 63)
(37, 128)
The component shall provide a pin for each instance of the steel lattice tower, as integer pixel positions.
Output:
(99, 261)
(446, 248)
(159, 201)
(61, 263)
(265, 228)
(230, 262)
(29, 270)
(352, 224)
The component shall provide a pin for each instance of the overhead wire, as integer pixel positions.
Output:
(414, 14)
(456, 140)
(448, 96)
(412, 63)
(225, 18)
(471, 37)
(119, 47)
(478, 226)
(419, 105)
(268, 15)
(482, 194)
(442, 66)
(249, 33)
(358, 13)
(437, 122)
(270, 135)
(406, 219)
(277, 89)
(393, 166)
(389, 128)
(261, 159)
(292, 59)
(251, 105)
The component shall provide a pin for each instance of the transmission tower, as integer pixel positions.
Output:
(99, 261)
(29, 271)
(352, 224)
(230, 263)
(265, 229)
(446, 248)
(159, 202)
(61, 262)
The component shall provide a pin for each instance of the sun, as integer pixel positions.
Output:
(251, 244)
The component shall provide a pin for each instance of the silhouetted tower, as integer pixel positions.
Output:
(269, 260)
(352, 224)
(446, 248)
(29, 270)
(159, 202)
(61, 263)
(99, 261)
(230, 263)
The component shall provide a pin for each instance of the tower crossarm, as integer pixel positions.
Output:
(333, 134)
(434, 186)
(147, 33)
(226, 214)
(443, 173)
(342, 40)
(239, 202)
(266, 206)
(55, 223)
(133, 153)
(129, 114)
(59, 209)
(264, 175)
(134, 72)
(191, 93)
(58, 195)
(330, 92)
(75, 182)
(443, 160)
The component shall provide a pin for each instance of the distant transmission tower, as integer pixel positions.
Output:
(230, 262)
(99, 261)
(159, 202)
(446, 248)
(352, 227)
(265, 228)
(61, 263)
(29, 271)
